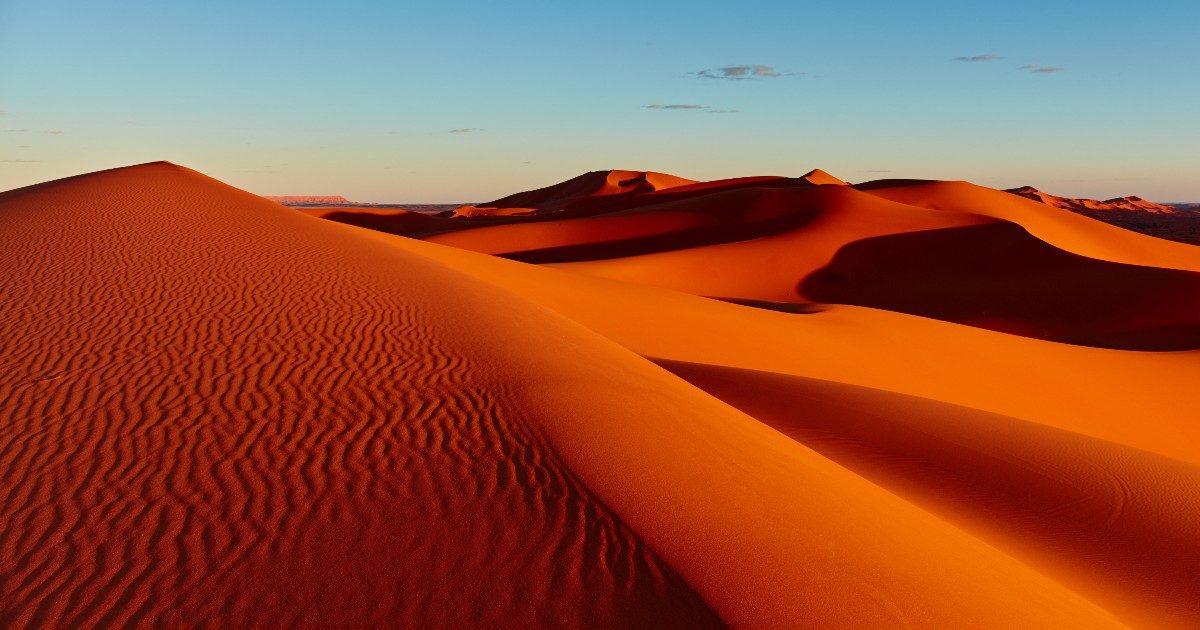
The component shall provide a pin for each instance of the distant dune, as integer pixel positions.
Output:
(564, 195)
(915, 404)
(310, 200)
(1127, 204)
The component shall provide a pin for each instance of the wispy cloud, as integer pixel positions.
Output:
(49, 132)
(1036, 69)
(742, 73)
(19, 161)
(466, 130)
(978, 58)
(687, 106)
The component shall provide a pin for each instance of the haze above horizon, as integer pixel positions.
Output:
(419, 102)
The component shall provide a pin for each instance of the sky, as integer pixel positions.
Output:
(445, 102)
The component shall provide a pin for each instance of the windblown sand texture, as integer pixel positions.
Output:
(914, 404)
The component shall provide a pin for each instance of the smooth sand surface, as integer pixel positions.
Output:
(219, 411)
(947, 250)
(1117, 204)
(564, 195)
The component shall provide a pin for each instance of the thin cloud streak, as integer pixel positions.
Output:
(742, 73)
(1036, 69)
(708, 109)
(979, 58)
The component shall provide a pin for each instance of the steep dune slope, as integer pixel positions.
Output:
(1092, 391)
(771, 268)
(217, 409)
(786, 243)
(563, 195)
(1115, 522)
(390, 220)
(1067, 487)
(1065, 230)
(723, 216)
(999, 277)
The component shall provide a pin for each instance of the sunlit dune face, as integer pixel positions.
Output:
(645, 402)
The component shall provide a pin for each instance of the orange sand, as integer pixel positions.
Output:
(219, 411)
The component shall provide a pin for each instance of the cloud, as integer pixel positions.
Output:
(879, 170)
(49, 132)
(741, 73)
(978, 58)
(466, 130)
(19, 161)
(1036, 69)
(683, 106)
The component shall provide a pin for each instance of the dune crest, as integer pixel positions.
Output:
(564, 195)
(1116, 204)
(817, 176)
(223, 411)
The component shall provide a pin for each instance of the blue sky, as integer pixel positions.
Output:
(360, 99)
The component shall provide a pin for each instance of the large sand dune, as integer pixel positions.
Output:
(219, 411)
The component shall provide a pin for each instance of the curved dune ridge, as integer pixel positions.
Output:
(1117, 204)
(564, 195)
(919, 247)
(220, 411)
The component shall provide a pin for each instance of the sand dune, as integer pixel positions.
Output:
(928, 251)
(1117, 523)
(564, 195)
(1116, 204)
(220, 411)
(390, 220)
(309, 200)
(1065, 230)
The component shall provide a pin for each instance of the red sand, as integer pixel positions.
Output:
(219, 411)
(1117, 204)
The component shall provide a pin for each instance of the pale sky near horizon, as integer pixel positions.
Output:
(441, 102)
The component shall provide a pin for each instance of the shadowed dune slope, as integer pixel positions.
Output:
(219, 410)
(1067, 488)
(729, 215)
(790, 242)
(1115, 522)
(570, 199)
(563, 195)
(770, 268)
(1065, 230)
(1091, 391)
(390, 220)
(999, 277)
